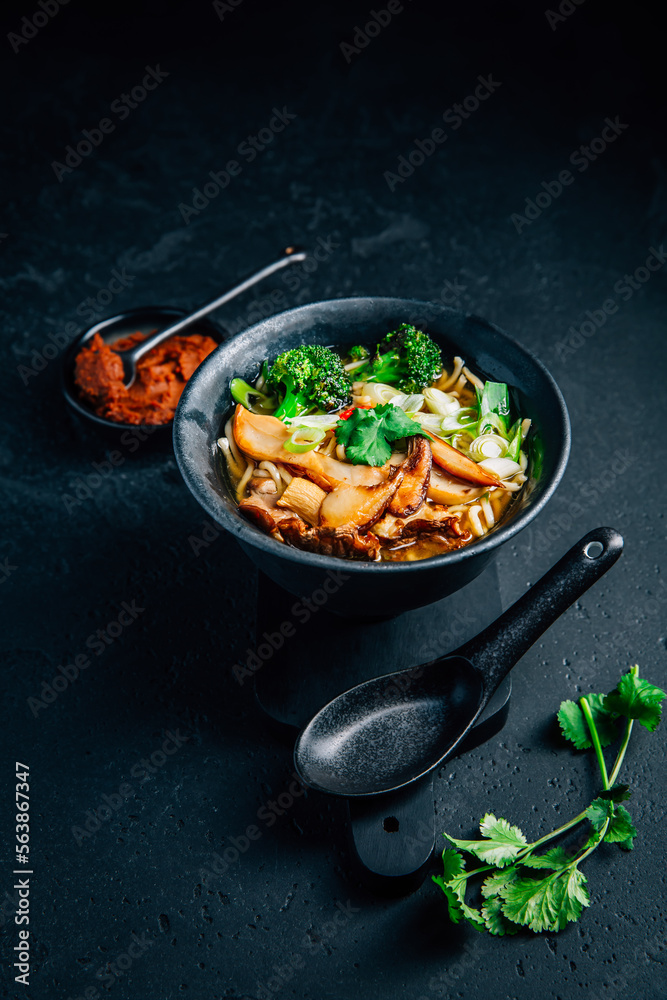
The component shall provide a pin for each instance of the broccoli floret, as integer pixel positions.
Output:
(359, 352)
(406, 358)
(309, 378)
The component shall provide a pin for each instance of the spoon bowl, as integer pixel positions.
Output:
(389, 731)
(398, 734)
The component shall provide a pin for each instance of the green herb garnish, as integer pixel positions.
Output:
(367, 434)
(512, 897)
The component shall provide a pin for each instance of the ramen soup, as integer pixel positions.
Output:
(376, 452)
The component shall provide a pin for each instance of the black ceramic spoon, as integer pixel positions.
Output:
(378, 737)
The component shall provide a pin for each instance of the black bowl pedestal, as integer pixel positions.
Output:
(393, 836)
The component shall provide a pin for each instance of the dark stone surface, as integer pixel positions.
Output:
(74, 564)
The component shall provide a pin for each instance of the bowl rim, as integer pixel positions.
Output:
(247, 534)
(71, 351)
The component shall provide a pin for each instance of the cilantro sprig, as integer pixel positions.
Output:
(512, 896)
(367, 434)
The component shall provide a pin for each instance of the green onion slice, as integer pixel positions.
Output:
(488, 446)
(304, 439)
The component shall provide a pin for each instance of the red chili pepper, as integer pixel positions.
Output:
(346, 414)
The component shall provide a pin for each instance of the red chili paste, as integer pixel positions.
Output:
(161, 376)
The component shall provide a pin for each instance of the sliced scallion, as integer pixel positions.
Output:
(441, 402)
(488, 446)
(494, 407)
(304, 439)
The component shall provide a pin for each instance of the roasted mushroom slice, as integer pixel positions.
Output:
(431, 518)
(416, 479)
(262, 511)
(264, 485)
(455, 463)
(359, 506)
(344, 542)
(446, 490)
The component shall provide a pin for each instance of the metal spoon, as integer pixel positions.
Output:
(380, 736)
(130, 357)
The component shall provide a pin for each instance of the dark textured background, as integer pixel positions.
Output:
(69, 568)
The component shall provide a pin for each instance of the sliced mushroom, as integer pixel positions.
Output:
(262, 438)
(343, 542)
(261, 509)
(457, 464)
(262, 485)
(359, 506)
(304, 498)
(416, 478)
(445, 489)
(431, 518)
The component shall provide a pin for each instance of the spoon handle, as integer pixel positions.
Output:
(290, 256)
(495, 650)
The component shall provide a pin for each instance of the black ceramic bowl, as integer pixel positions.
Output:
(359, 588)
(146, 319)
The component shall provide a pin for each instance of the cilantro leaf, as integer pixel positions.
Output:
(637, 699)
(617, 793)
(453, 883)
(492, 885)
(502, 845)
(546, 904)
(495, 920)
(556, 859)
(620, 830)
(366, 434)
(452, 863)
(575, 728)
(397, 424)
(364, 439)
(599, 811)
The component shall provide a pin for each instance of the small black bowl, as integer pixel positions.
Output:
(145, 319)
(366, 589)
